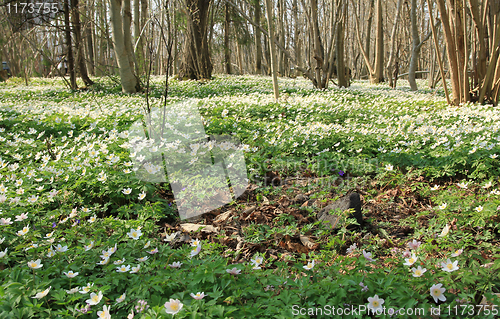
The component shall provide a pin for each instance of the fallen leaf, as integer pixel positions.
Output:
(306, 241)
(188, 227)
(223, 217)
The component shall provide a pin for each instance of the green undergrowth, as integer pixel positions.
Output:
(69, 195)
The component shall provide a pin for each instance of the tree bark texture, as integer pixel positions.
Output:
(75, 17)
(196, 63)
(227, 24)
(258, 44)
(69, 47)
(122, 41)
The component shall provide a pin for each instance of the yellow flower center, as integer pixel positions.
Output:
(449, 266)
(418, 272)
(33, 265)
(411, 260)
(134, 234)
(375, 303)
(174, 306)
(437, 292)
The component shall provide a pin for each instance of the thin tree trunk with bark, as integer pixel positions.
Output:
(318, 46)
(89, 36)
(269, 11)
(75, 17)
(296, 34)
(258, 44)
(451, 52)
(390, 62)
(342, 77)
(378, 75)
(369, 23)
(69, 48)
(227, 23)
(136, 27)
(438, 54)
(415, 46)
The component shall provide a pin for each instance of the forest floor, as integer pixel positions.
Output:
(82, 231)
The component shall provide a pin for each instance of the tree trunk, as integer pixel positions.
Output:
(342, 77)
(438, 55)
(69, 48)
(89, 36)
(136, 28)
(196, 63)
(258, 44)
(281, 38)
(392, 57)
(451, 52)
(318, 46)
(269, 10)
(369, 22)
(140, 54)
(122, 42)
(415, 46)
(90, 49)
(75, 16)
(296, 35)
(378, 75)
(227, 23)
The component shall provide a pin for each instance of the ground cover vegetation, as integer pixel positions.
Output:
(81, 236)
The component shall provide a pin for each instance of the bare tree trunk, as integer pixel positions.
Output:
(318, 46)
(75, 16)
(258, 44)
(390, 62)
(122, 42)
(451, 52)
(227, 23)
(281, 38)
(431, 82)
(196, 63)
(140, 54)
(136, 28)
(71, 61)
(378, 75)
(89, 36)
(438, 55)
(269, 10)
(342, 77)
(415, 46)
(369, 23)
(296, 35)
